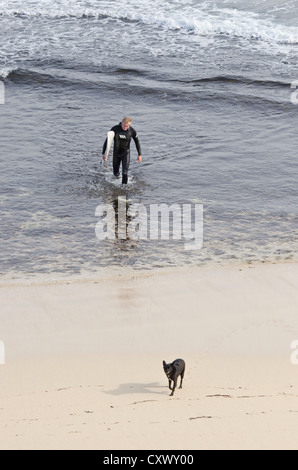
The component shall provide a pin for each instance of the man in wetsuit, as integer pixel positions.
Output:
(121, 154)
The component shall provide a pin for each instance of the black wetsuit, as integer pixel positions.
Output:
(121, 151)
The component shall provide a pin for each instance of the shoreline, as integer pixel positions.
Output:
(115, 273)
(83, 360)
(147, 301)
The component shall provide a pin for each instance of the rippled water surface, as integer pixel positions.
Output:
(208, 85)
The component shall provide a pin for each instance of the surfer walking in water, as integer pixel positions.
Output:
(123, 133)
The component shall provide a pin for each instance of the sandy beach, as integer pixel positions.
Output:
(83, 360)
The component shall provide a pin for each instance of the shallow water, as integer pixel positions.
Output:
(208, 86)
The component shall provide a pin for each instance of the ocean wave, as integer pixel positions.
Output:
(238, 81)
(78, 78)
(199, 19)
(22, 75)
(5, 72)
(30, 75)
(238, 90)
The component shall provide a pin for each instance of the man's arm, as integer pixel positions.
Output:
(138, 146)
(105, 144)
(104, 147)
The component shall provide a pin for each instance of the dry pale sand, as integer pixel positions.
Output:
(83, 365)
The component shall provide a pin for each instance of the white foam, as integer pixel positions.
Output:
(5, 71)
(198, 17)
(117, 182)
(40, 220)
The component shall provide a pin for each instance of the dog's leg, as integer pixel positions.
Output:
(174, 386)
(181, 381)
(170, 384)
(181, 378)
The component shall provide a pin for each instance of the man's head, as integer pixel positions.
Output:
(126, 122)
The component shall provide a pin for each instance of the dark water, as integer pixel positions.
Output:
(208, 85)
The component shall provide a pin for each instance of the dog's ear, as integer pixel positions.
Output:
(164, 363)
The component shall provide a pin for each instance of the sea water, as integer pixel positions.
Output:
(210, 86)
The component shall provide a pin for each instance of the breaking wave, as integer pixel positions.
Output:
(194, 18)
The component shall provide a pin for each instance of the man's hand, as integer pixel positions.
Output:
(139, 158)
(104, 159)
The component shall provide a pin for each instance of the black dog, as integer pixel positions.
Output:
(173, 371)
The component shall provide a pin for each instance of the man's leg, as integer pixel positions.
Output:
(125, 167)
(116, 165)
